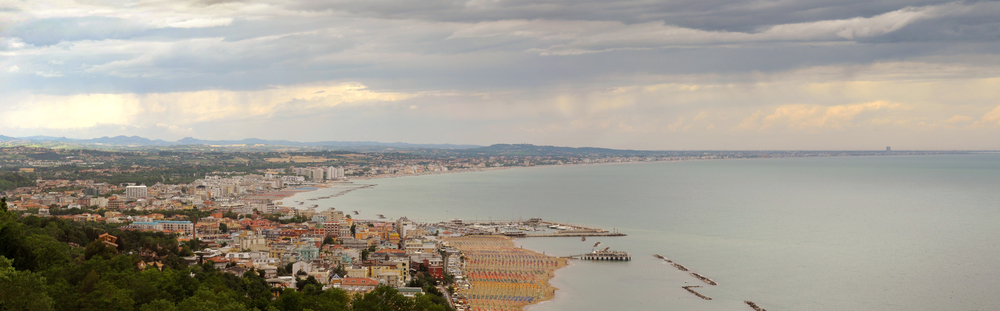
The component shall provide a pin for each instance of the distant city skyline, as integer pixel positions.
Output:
(695, 75)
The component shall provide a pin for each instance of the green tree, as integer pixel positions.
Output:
(22, 290)
(290, 300)
(382, 298)
(301, 284)
(424, 302)
(223, 228)
(98, 248)
(217, 299)
(325, 300)
(159, 305)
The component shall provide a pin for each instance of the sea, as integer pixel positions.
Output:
(822, 233)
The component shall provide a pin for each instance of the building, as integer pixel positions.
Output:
(353, 243)
(99, 202)
(363, 285)
(317, 174)
(332, 229)
(334, 172)
(410, 291)
(135, 192)
(186, 227)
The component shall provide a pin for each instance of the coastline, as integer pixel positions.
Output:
(364, 178)
(572, 282)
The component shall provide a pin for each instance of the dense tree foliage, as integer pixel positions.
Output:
(12, 181)
(59, 265)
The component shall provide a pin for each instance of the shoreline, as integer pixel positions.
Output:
(362, 178)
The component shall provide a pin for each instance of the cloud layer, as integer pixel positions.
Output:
(624, 74)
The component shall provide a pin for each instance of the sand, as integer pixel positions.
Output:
(504, 277)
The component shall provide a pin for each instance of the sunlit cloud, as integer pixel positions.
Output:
(177, 111)
(991, 118)
(812, 117)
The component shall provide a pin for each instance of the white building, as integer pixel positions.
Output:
(334, 172)
(135, 192)
(99, 202)
(317, 174)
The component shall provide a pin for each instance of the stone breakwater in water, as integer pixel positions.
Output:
(690, 288)
(704, 279)
(502, 276)
(753, 305)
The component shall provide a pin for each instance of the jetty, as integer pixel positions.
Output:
(689, 288)
(754, 305)
(704, 279)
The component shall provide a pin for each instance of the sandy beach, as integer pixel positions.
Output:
(505, 277)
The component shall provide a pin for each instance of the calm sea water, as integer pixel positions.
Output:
(842, 233)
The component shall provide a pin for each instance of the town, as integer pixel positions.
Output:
(239, 222)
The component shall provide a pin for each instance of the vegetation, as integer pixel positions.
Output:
(12, 181)
(43, 267)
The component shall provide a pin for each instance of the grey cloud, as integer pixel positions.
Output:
(51, 31)
(746, 16)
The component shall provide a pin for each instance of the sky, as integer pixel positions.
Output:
(629, 74)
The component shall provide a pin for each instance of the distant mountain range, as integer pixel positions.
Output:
(141, 141)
